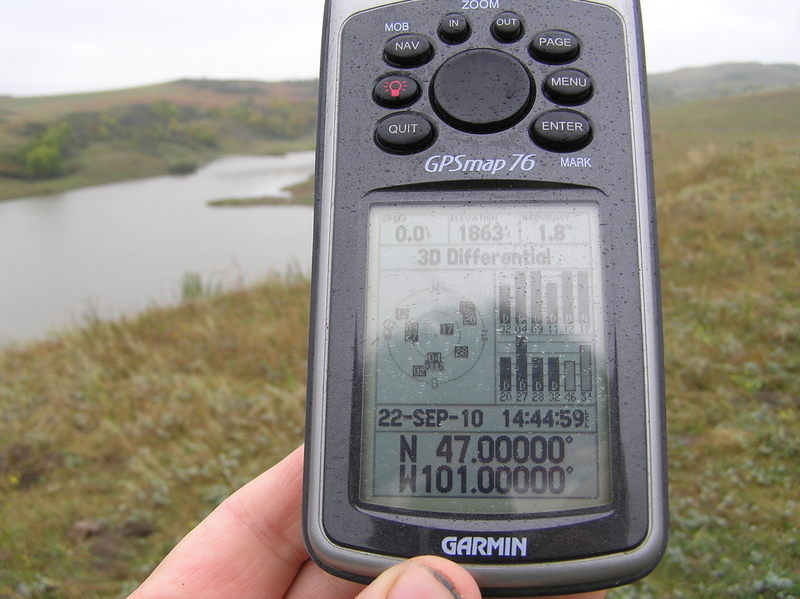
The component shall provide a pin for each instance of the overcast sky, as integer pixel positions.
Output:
(65, 46)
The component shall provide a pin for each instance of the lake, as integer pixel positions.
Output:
(112, 250)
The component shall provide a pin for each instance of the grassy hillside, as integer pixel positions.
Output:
(730, 79)
(54, 143)
(683, 130)
(728, 189)
(116, 440)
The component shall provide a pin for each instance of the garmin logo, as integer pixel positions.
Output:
(485, 546)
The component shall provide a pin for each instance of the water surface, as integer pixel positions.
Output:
(114, 249)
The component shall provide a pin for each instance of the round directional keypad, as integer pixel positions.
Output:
(482, 91)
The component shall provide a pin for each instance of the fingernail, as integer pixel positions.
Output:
(418, 581)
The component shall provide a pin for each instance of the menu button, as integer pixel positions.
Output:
(568, 86)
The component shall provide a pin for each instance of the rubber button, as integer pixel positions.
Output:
(395, 91)
(404, 133)
(482, 91)
(408, 50)
(555, 46)
(454, 29)
(507, 27)
(568, 86)
(561, 131)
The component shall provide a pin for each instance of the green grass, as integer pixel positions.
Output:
(728, 209)
(141, 427)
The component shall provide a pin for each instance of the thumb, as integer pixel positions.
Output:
(423, 578)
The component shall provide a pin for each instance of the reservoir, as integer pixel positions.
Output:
(113, 250)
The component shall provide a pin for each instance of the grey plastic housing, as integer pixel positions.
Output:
(353, 173)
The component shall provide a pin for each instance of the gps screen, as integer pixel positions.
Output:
(485, 378)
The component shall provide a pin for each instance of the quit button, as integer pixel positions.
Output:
(404, 133)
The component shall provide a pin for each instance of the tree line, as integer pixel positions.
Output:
(149, 128)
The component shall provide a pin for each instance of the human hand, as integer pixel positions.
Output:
(251, 547)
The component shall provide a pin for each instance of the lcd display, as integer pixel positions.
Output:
(485, 382)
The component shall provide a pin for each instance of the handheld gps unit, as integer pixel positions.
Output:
(485, 372)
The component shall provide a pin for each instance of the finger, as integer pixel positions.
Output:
(423, 578)
(250, 547)
(312, 583)
(592, 595)
(435, 578)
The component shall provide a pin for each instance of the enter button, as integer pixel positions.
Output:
(561, 131)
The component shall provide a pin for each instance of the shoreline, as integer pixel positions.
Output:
(300, 194)
(136, 168)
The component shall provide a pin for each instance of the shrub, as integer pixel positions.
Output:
(43, 161)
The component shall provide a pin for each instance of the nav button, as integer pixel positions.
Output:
(409, 50)
(404, 133)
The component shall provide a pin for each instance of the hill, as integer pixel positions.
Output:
(116, 439)
(53, 143)
(685, 131)
(731, 79)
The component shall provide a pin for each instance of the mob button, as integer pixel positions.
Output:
(404, 133)
(561, 131)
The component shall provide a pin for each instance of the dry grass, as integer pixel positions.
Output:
(142, 427)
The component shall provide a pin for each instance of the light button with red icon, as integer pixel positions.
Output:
(395, 91)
